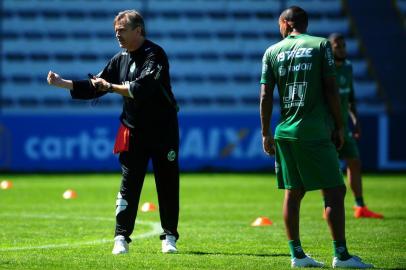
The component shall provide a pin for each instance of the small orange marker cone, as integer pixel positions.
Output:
(261, 221)
(148, 207)
(69, 194)
(5, 184)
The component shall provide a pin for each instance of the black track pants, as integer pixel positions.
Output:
(134, 163)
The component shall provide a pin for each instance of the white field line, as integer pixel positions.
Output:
(155, 230)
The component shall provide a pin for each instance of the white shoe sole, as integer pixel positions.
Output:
(119, 252)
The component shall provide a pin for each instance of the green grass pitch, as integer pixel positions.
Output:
(41, 230)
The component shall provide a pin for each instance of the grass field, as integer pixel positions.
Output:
(41, 230)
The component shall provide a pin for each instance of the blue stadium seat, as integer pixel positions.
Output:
(401, 4)
(321, 7)
(365, 89)
(57, 5)
(215, 47)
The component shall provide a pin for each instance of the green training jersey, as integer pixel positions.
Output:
(346, 88)
(297, 65)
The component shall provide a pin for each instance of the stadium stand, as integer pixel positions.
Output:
(401, 5)
(215, 48)
(383, 41)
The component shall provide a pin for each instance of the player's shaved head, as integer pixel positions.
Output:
(335, 36)
(296, 17)
(338, 45)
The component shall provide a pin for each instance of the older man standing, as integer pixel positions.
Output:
(149, 125)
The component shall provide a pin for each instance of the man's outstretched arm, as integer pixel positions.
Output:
(56, 80)
(81, 89)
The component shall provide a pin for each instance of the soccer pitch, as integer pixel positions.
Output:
(41, 230)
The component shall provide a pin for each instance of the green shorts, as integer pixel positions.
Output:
(307, 165)
(349, 150)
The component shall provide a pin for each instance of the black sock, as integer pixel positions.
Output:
(359, 201)
(296, 250)
(340, 250)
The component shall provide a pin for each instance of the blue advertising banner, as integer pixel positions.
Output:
(227, 142)
(85, 143)
(58, 143)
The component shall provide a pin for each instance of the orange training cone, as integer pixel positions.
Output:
(148, 207)
(69, 194)
(261, 221)
(5, 184)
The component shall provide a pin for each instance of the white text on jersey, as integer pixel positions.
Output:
(296, 53)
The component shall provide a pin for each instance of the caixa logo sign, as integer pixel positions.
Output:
(94, 144)
(195, 143)
(221, 143)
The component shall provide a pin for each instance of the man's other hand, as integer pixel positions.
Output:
(268, 144)
(338, 138)
(100, 84)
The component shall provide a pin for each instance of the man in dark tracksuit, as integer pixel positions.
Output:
(149, 126)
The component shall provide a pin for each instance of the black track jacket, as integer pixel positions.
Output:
(152, 106)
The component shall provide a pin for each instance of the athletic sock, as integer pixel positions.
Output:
(359, 201)
(296, 250)
(340, 250)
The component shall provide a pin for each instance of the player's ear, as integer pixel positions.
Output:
(284, 22)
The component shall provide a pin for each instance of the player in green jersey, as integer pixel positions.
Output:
(302, 67)
(349, 152)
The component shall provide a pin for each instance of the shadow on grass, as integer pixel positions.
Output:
(237, 254)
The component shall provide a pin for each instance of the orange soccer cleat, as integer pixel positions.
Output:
(364, 212)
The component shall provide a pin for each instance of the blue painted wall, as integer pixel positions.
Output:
(208, 142)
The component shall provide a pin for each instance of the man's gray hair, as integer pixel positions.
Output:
(133, 18)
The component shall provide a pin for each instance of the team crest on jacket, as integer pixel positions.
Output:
(171, 155)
